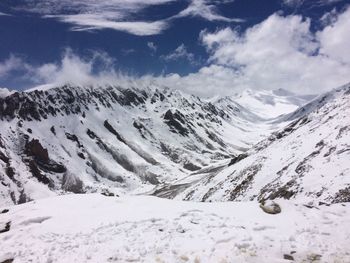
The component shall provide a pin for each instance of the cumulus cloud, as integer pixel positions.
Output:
(179, 53)
(335, 38)
(280, 52)
(96, 69)
(11, 64)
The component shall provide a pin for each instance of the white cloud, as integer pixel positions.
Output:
(280, 52)
(207, 82)
(207, 9)
(3, 14)
(180, 52)
(96, 69)
(88, 22)
(335, 38)
(88, 15)
(153, 47)
(11, 64)
(309, 3)
(128, 51)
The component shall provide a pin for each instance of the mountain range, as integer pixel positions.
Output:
(149, 139)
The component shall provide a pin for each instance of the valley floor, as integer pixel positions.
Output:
(96, 228)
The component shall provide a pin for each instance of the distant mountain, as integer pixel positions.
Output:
(307, 160)
(271, 103)
(115, 139)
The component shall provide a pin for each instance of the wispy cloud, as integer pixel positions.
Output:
(128, 51)
(89, 15)
(88, 22)
(179, 53)
(4, 14)
(153, 47)
(208, 10)
(308, 3)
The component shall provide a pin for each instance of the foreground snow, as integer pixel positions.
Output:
(96, 228)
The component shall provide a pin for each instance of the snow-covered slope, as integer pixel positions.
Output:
(95, 228)
(309, 160)
(120, 139)
(270, 103)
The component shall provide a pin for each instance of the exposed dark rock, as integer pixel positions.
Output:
(303, 165)
(35, 149)
(191, 167)
(169, 191)
(22, 198)
(342, 196)
(212, 136)
(10, 260)
(4, 158)
(282, 192)
(74, 138)
(29, 131)
(113, 131)
(7, 228)
(314, 257)
(108, 194)
(4, 211)
(130, 98)
(151, 178)
(176, 121)
(91, 134)
(10, 172)
(342, 131)
(52, 166)
(238, 158)
(288, 257)
(37, 173)
(330, 151)
(81, 155)
(248, 175)
(142, 129)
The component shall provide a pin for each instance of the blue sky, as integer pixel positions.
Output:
(177, 42)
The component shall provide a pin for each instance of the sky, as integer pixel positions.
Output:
(203, 47)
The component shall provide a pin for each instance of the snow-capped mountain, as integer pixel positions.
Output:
(308, 160)
(156, 141)
(270, 103)
(120, 139)
(5, 92)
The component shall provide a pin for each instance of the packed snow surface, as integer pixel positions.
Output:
(96, 228)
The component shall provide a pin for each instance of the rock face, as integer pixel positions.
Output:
(307, 160)
(86, 139)
(35, 149)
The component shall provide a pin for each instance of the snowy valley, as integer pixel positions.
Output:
(85, 170)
